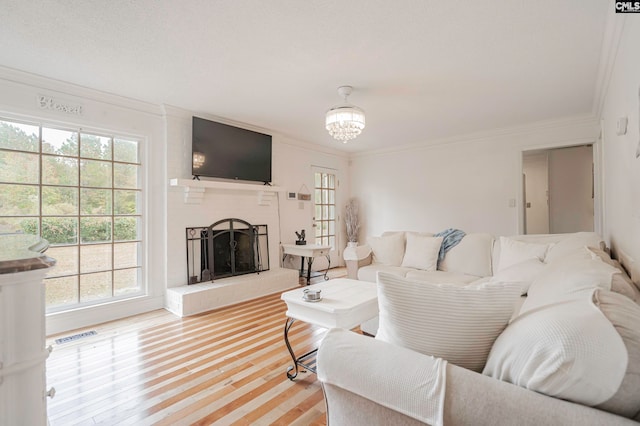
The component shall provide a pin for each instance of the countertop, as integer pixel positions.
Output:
(23, 252)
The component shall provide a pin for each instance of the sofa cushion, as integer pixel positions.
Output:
(440, 277)
(620, 282)
(388, 249)
(567, 277)
(448, 321)
(471, 256)
(571, 242)
(421, 252)
(624, 314)
(514, 251)
(370, 272)
(585, 349)
(524, 272)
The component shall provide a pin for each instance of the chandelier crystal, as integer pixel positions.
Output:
(345, 122)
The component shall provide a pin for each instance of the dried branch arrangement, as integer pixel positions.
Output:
(352, 220)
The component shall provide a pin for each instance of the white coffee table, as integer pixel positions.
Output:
(345, 303)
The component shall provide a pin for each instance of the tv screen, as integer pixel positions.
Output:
(228, 152)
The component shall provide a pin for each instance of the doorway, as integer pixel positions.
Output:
(558, 190)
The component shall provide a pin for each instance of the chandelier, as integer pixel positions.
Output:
(344, 122)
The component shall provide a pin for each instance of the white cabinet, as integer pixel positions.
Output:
(22, 331)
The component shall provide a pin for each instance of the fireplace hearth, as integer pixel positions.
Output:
(227, 248)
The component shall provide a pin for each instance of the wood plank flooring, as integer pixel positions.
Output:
(223, 367)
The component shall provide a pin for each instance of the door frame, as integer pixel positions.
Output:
(598, 176)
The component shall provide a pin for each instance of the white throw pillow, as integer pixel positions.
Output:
(525, 272)
(421, 252)
(568, 350)
(447, 321)
(564, 279)
(513, 252)
(389, 249)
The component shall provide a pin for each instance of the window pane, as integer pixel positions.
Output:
(61, 142)
(125, 176)
(318, 178)
(325, 196)
(66, 260)
(332, 197)
(95, 286)
(59, 170)
(332, 241)
(332, 213)
(318, 231)
(59, 201)
(125, 229)
(22, 137)
(60, 230)
(95, 201)
(95, 229)
(126, 281)
(125, 202)
(19, 200)
(95, 173)
(92, 146)
(318, 197)
(126, 255)
(19, 167)
(95, 257)
(124, 150)
(332, 181)
(28, 225)
(61, 291)
(332, 228)
(325, 212)
(325, 180)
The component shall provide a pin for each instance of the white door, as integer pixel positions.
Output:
(325, 213)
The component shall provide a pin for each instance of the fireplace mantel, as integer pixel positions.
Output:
(194, 189)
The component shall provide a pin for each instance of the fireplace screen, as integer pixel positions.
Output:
(227, 248)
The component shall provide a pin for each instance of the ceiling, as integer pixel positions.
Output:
(421, 69)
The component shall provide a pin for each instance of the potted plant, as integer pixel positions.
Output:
(352, 222)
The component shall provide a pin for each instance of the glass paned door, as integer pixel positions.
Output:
(325, 208)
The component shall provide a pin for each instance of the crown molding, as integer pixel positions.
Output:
(514, 131)
(608, 55)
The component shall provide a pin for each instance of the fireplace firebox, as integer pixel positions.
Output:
(227, 248)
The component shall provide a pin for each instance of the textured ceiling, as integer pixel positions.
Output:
(421, 69)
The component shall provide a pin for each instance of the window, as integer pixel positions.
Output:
(81, 191)
(325, 201)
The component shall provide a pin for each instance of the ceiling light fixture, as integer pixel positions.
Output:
(344, 122)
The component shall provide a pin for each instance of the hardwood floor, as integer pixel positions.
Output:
(223, 367)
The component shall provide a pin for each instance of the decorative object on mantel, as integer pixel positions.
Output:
(301, 238)
(291, 195)
(352, 222)
(346, 121)
(304, 194)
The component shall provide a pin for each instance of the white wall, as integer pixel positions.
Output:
(473, 183)
(621, 167)
(107, 113)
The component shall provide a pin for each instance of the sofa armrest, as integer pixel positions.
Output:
(355, 258)
(397, 378)
(470, 398)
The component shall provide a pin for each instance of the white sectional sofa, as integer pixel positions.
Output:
(527, 330)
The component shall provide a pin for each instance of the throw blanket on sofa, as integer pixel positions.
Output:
(450, 238)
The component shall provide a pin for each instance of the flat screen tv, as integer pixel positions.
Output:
(228, 152)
